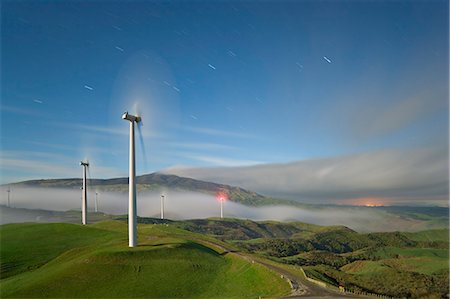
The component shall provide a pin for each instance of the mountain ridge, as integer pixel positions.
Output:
(157, 181)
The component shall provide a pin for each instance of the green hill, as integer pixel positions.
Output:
(19, 215)
(67, 260)
(397, 264)
(239, 229)
(434, 235)
(212, 258)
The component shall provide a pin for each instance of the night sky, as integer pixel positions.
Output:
(228, 84)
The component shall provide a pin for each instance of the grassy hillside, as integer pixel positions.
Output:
(239, 229)
(435, 235)
(62, 260)
(396, 264)
(420, 213)
(29, 246)
(19, 215)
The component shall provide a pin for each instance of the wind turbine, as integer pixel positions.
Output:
(96, 202)
(221, 197)
(84, 200)
(162, 206)
(9, 192)
(132, 219)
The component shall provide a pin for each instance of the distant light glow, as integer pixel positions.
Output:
(222, 196)
(370, 201)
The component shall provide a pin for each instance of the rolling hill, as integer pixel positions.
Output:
(219, 256)
(19, 215)
(396, 264)
(156, 181)
(68, 260)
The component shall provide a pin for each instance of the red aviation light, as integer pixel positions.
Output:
(222, 196)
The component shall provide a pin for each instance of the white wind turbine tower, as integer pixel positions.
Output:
(96, 202)
(221, 197)
(9, 194)
(132, 218)
(162, 206)
(84, 200)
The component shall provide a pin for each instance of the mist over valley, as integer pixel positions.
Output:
(193, 199)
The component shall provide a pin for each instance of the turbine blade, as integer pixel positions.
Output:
(141, 141)
(89, 178)
(137, 109)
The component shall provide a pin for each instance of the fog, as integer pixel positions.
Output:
(191, 205)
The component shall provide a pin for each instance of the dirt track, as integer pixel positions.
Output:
(301, 288)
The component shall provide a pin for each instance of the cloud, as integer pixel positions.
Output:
(374, 108)
(375, 120)
(71, 148)
(123, 131)
(220, 161)
(215, 132)
(38, 165)
(201, 145)
(21, 111)
(101, 129)
(396, 174)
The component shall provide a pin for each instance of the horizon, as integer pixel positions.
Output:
(360, 202)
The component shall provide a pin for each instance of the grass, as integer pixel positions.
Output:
(94, 261)
(173, 270)
(384, 280)
(28, 246)
(424, 265)
(196, 258)
(363, 267)
(389, 252)
(430, 235)
(314, 273)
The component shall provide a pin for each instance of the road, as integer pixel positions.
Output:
(301, 288)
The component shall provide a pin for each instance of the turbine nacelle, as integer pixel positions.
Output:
(82, 163)
(130, 117)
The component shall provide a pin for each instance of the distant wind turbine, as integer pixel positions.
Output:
(162, 206)
(221, 197)
(84, 200)
(96, 202)
(9, 193)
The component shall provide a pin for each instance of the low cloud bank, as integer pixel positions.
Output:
(190, 205)
(402, 176)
